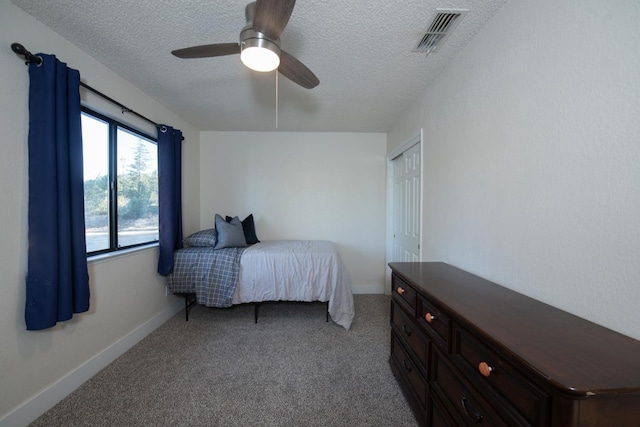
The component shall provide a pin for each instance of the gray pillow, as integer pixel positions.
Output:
(202, 238)
(230, 234)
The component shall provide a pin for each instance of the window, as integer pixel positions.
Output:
(120, 185)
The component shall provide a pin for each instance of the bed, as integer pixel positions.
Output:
(275, 270)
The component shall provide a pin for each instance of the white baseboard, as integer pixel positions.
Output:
(368, 289)
(50, 396)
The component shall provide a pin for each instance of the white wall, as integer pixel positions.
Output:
(532, 157)
(127, 296)
(325, 186)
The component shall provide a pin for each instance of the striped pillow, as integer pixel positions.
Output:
(203, 238)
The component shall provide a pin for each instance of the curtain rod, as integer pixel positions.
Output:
(29, 58)
(123, 108)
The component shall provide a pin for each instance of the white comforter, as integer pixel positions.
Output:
(296, 270)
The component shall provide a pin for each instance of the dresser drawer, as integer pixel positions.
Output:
(525, 403)
(438, 416)
(404, 293)
(465, 404)
(408, 369)
(410, 334)
(436, 322)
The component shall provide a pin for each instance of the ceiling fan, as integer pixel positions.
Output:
(259, 44)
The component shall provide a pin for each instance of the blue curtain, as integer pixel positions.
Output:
(57, 276)
(169, 195)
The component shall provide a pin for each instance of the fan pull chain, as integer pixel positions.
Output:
(276, 98)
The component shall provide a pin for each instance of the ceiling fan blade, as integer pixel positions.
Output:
(271, 16)
(296, 71)
(207, 50)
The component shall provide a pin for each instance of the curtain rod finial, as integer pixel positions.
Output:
(28, 56)
(19, 49)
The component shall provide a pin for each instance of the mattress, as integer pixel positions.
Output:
(296, 270)
(274, 270)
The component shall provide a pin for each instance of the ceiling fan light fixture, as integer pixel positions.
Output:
(259, 48)
(260, 54)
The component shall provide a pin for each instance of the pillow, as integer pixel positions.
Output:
(202, 238)
(249, 229)
(230, 234)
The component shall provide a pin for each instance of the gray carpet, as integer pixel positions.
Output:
(221, 369)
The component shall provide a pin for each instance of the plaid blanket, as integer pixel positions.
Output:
(211, 274)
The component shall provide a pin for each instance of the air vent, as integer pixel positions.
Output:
(443, 23)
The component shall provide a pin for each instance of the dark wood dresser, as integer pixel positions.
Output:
(467, 351)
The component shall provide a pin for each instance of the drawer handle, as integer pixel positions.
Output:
(485, 369)
(429, 317)
(474, 415)
(406, 330)
(401, 290)
(407, 366)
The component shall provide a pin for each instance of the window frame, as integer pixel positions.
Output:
(113, 126)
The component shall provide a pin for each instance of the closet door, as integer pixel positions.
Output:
(406, 205)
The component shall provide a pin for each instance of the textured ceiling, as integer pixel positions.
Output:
(361, 50)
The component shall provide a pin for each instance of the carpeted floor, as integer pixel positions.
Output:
(221, 369)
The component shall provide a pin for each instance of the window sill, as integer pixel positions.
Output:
(98, 259)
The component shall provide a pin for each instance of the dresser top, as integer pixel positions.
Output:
(575, 355)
